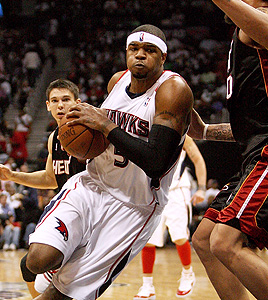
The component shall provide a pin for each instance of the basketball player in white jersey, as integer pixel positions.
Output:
(176, 217)
(103, 217)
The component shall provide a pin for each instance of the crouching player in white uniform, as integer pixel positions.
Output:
(103, 217)
(176, 217)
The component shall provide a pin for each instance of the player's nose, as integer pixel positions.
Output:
(140, 53)
(60, 103)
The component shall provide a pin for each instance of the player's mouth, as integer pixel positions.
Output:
(60, 115)
(139, 65)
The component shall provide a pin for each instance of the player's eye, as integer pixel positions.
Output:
(133, 48)
(151, 50)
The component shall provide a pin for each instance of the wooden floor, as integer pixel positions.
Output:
(166, 274)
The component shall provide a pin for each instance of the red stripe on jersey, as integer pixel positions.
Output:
(121, 76)
(263, 55)
(56, 205)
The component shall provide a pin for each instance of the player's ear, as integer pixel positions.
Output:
(164, 56)
(78, 100)
(48, 106)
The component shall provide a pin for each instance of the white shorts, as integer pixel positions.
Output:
(97, 234)
(175, 217)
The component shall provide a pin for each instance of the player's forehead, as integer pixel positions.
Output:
(145, 38)
(58, 93)
(142, 44)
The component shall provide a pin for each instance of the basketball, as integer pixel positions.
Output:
(80, 141)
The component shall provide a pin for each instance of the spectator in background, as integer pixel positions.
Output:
(3, 147)
(10, 188)
(32, 63)
(23, 122)
(30, 214)
(19, 150)
(11, 234)
(6, 86)
(23, 93)
(6, 211)
(4, 102)
(42, 155)
(11, 164)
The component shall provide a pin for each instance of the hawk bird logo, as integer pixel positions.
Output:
(62, 229)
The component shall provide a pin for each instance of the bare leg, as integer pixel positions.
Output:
(249, 268)
(51, 293)
(42, 257)
(225, 283)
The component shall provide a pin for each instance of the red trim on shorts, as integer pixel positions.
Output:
(56, 205)
(248, 201)
(47, 278)
(211, 214)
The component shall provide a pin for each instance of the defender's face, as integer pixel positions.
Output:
(144, 59)
(59, 102)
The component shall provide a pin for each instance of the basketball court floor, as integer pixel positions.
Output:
(166, 273)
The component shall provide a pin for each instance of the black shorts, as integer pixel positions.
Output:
(243, 203)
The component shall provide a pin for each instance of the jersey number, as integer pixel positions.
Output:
(122, 162)
(229, 87)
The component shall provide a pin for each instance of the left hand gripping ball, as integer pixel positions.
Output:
(80, 141)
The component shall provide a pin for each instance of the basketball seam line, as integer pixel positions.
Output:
(76, 137)
(93, 135)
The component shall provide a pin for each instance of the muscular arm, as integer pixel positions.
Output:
(253, 22)
(220, 132)
(44, 179)
(214, 132)
(174, 101)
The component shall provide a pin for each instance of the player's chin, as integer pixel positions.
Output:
(139, 75)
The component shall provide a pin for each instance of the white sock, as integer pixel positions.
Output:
(190, 270)
(147, 280)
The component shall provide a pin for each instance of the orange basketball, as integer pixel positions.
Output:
(80, 141)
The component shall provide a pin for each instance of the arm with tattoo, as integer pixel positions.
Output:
(219, 132)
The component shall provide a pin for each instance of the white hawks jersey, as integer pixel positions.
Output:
(113, 172)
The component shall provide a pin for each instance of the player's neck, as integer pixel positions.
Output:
(139, 86)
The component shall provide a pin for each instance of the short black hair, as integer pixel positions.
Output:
(63, 84)
(151, 29)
